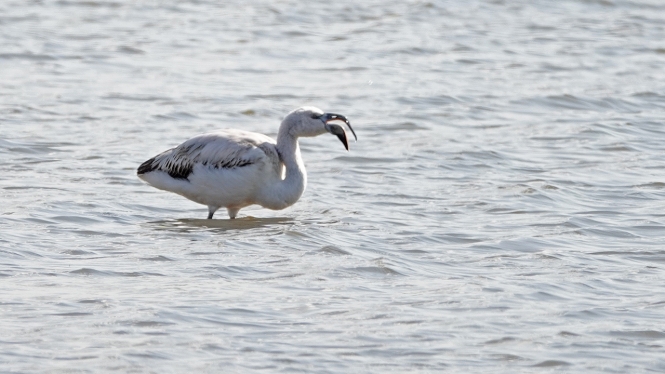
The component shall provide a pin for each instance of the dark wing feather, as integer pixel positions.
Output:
(223, 150)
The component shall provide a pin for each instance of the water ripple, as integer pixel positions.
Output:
(501, 211)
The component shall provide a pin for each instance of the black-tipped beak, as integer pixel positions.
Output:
(327, 117)
(341, 134)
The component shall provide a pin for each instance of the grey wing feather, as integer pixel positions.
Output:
(225, 149)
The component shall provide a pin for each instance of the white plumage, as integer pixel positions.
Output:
(236, 168)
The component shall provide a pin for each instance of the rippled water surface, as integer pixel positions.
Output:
(502, 211)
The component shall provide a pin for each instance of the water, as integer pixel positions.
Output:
(502, 211)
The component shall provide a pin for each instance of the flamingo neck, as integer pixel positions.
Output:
(288, 190)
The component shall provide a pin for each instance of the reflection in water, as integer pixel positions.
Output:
(242, 223)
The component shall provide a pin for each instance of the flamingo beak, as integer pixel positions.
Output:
(341, 134)
(337, 129)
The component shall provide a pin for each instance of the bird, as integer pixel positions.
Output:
(234, 168)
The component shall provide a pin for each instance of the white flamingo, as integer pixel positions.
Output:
(236, 168)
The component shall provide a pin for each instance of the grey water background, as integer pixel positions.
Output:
(502, 211)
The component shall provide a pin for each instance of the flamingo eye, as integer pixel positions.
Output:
(316, 115)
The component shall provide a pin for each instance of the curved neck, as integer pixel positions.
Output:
(288, 190)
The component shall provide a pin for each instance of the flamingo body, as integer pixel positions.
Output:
(235, 168)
